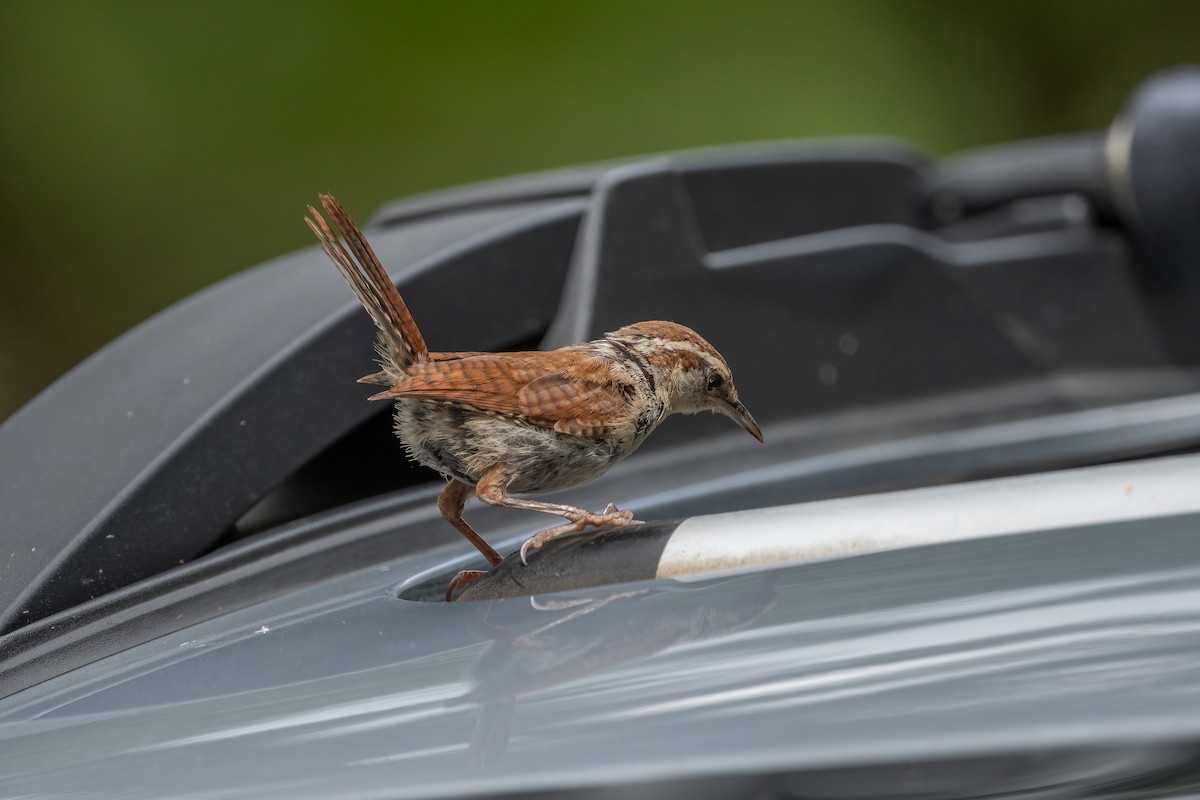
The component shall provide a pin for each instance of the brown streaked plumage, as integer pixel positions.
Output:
(503, 424)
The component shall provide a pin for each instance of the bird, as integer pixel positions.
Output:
(505, 424)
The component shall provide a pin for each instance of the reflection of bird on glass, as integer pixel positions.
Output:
(588, 635)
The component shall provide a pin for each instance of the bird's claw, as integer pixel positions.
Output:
(610, 516)
(528, 543)
(463, 579)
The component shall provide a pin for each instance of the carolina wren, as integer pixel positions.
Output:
(503, 424)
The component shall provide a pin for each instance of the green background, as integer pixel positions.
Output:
(151, 148)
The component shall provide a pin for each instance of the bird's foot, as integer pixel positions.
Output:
(616, 517)
(462, 580)
(610, 516)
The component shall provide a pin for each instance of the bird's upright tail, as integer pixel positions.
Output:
(400, 342)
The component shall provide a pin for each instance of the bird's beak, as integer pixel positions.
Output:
(738, 413)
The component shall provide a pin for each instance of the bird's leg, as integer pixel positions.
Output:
(451, 502)
(493, 489)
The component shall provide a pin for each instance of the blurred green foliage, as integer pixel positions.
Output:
(151, 148)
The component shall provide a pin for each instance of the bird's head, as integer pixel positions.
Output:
(687, 371)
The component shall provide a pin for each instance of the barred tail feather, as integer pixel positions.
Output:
(400, 341)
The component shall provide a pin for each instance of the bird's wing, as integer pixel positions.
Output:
(385, 379)
(575, 395)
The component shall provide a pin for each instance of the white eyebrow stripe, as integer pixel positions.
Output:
(675, 344)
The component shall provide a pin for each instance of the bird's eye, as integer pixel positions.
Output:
(715, 380)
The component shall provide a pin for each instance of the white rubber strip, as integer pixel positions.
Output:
(852, 526)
